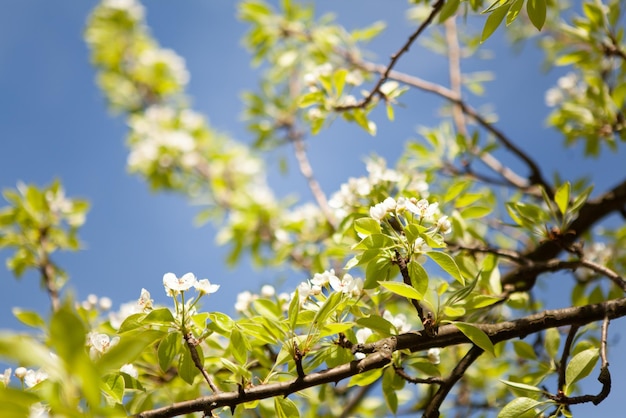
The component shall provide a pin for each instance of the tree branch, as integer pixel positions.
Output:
(592, 212)
(414, 341)
(394, 59)
(432, 409)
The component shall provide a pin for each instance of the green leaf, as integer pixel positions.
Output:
(449, 8)
(128, 348)
(377, 324)
(514, 10)
(294, 309)
(364, 379)
(474, 212)
(522, 386)
(367, 226)
(447, 263)
(520, 408)
(561, 197)
(114, 387)
(402, 289)
(493, 21)
(377, 269)
(419, 277)
(160, 316)
(67, 334)
(476, 335)
(310, 99)
(285, 408)
(524, 350)
(169, 347)
(580, 366)
(186, 368)
(390, 114)
(552, 342)
(328, 308)
(239, 346)
(30, 318)
(536, 12)
(339, 80)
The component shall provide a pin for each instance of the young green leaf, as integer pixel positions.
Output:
(561, 197)
(476, 335)
(536, 12)
(402, 289)
(447, 263)
(367, 226)
(521, 408)
(581, 365)
(493, 21)
(522, 386)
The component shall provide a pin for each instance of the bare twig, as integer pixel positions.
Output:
(416, 380)
(394, 59)
(191, 345)
(47, 270)
(448, 335)
(432, 409)
(566, 350)
(307, 172)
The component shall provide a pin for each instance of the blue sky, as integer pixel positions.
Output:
(54, 123)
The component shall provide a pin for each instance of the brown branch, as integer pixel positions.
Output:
(191, 345)
(448, 335)
(47, 269)
(307, 172)
(566, 350)
(432, 409)
(394, 59)
(494, 164)
(592, 212)
(356, 400)
(416, 380)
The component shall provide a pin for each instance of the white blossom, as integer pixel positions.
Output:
(6, 377)
(204, 286)
(173, 285)
(322, 279)
(434, 355)
(244, 299)
(399, 321)
(130, 370)
(34, 377)
(100, 344)
(268, 291)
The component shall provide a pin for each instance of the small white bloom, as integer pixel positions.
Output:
(444, 225)
(174, 284)
(244, 299)
(6, 377)
(378, 212)
(92, 299)
(144, 302)
(314, 113)
(100, 344)
(347, 284)
(130, 370)
(434, 355)
(105, 303)
(205, 286)
(33, 377)
(361, 337)
(322, 279)
(399, 321)
(268, 291)
(20, 372)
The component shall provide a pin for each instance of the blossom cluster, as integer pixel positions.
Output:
(361, 191)
(567, 86)
(175, 285)
(424, 211)
(164, 136)
(347, 284)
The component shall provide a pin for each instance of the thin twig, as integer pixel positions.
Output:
(394, 59)
(432, 409)
(191, 345)
(566, 350)
(307, 172)
(417, 380)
